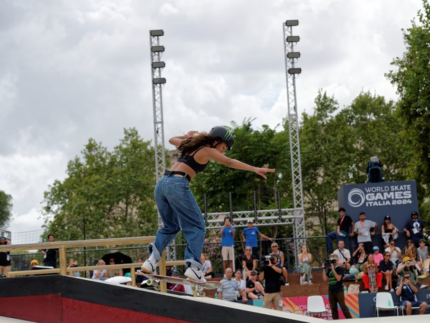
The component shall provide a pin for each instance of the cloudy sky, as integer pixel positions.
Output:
(71, 70)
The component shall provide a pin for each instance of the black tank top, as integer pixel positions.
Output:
(191, 162)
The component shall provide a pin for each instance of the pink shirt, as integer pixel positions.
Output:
(378, 257)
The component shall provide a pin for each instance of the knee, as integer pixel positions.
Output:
(423, 304)
(408, 305)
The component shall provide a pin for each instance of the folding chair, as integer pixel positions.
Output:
(384, 302)
(316, 305)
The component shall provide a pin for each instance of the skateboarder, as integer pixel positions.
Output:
(176, 204)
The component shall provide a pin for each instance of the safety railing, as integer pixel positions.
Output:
(63, 245)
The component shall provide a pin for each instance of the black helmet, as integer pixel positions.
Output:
(414, 213)
(225, 135)
(387, 217)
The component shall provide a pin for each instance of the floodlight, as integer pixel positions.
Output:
(158, 65)
(292, 23)
(293, 39)
(160, 80)
(295, 70)
(293, 55)
(156, 49)
(158, 32)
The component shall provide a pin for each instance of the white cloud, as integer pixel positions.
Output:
(71, 70)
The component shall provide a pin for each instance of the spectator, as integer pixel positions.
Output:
(100, 274)
(410, 250)
(169, 270)
(227, 243)
(334, 275)
(395, 253)
(139, 274)
(362, 229)
(249, 236)
(423, 255)
(272, 274)
(415, 229)
(305, 260)
(207, 266)
(410, 267)
(372, 278)
(114, 272)
(71, 264)
(254, 289)
(389, 231)
(33, 264)
(280, 261)
(360, 257)
(249, 262)
(343, 224)
(4, 258)
(242, 284)
(386, 267)
(343, 255)
(230, 288)
(407, 291)
(378, 257)
(50, 255)
(176, 287)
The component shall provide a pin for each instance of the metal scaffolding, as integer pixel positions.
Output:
(293, 125)
(158, 81)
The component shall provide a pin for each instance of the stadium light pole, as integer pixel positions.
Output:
(293, 124)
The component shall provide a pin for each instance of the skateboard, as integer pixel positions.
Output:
(196, 287)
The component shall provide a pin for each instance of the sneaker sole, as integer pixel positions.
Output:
(146, 271)
(195, 281)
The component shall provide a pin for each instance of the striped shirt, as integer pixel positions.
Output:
(229, 289)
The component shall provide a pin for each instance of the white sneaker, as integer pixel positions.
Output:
(386, 287)
(149, 266)
(391, 290)
(194, 274)
(424, 286)
(287, 284)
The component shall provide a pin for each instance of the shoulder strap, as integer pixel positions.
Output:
(195, 152)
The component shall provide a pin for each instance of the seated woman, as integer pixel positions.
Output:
(71, 264)
(360, 257)
(249, 262)
(386, 267)
(372, 278)
(389, 232)
(242, 283)
(280, 262)
(100, 274)
(207, 266)
(410, 250)
(305, 260)
(423, 257)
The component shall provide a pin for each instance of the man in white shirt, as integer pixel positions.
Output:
(362, 230)
(395, 253)
(344, 255)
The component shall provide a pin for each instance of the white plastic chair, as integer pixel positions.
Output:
(384, 302)
(403, 308)
(316, 305)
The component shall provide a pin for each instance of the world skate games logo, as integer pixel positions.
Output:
(380, 195)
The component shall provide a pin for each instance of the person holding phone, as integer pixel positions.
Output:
(407, 291)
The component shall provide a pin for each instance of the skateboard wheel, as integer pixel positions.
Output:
(193, 288)
(149, 282)
(203, 294)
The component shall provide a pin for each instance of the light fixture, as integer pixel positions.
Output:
(158, 65)
(294, 70)
(156, 49)
(158, 32)
(293, 39)
(292, 23)
(160, 80)
(293, 55)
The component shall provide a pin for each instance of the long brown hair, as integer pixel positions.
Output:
(191, 144)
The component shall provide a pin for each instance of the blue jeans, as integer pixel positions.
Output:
(178, 210)
(333, 235)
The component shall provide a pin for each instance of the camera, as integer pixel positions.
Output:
(330, 261)
(268, 261)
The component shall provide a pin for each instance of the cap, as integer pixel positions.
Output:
(361, 244)
(175, 273)
(375, 248)
(254, 272)
(414, 213)
(334, 256)
(406, 259)
(127, 275)
(387, 217)
(250, 221)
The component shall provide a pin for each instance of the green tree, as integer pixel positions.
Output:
(412, 79)
(111, 191)
(5, 209)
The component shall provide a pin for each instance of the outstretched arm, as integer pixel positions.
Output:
(233, 163)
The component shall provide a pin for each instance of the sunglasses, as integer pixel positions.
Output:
(248, 249)
(274, 246)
